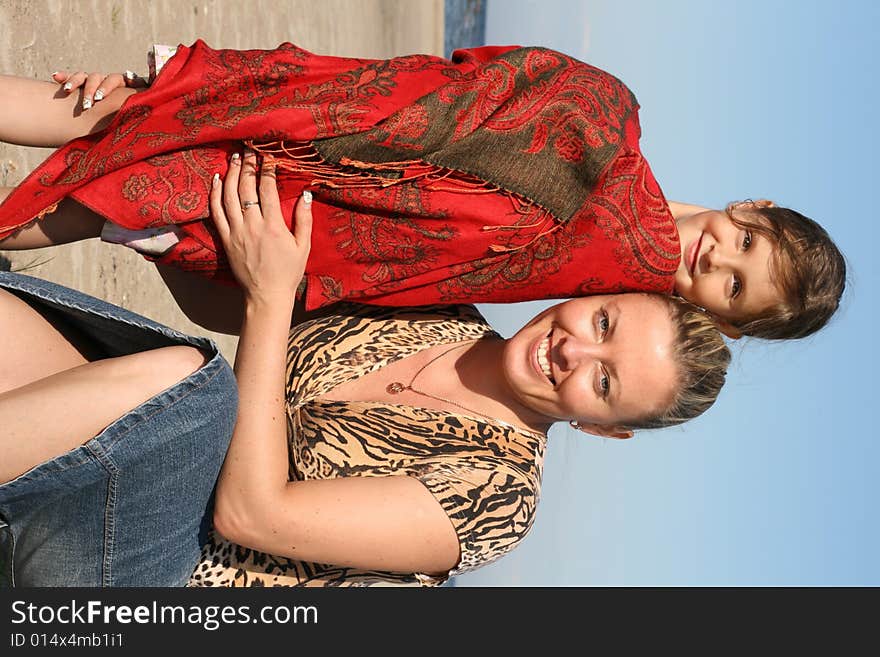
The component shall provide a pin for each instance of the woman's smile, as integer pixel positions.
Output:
(600, 360)
(541, 357)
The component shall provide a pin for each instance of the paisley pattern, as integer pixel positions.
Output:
(402, 238)
(205, 102)
(531, 121)
(423, 241)
(486, 476)
(502, 175)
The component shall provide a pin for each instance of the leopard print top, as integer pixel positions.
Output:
(486, 475)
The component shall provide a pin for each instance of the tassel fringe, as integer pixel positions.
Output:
(303, 157)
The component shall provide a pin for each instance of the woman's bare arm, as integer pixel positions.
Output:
(373, 523)
(389, 523)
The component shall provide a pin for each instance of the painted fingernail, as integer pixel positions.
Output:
(54, 73)
(68, 86)
(307, 197)
(129, 75)
(87, 103)
(99, 95)
(215, 180)
(235, 158)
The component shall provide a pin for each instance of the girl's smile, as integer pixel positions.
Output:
(694, 253)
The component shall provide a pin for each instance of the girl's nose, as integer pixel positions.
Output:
(714, 259)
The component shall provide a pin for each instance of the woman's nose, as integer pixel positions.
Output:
(572, 351)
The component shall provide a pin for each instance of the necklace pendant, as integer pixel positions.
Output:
(394, 388)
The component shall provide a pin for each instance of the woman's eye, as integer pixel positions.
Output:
(747, 241)
(735, 288)
(603, 323)
(604, 384)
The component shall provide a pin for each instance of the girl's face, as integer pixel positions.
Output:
(602, 360)
(724, 268)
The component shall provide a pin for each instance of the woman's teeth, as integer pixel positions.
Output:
(544, 359)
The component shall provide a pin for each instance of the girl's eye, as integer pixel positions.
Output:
(736, 288)
(747, 241)
(604, 323)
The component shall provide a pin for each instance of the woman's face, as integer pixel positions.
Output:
(724, 268)
(603, 361)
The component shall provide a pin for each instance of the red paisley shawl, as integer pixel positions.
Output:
(503, 174)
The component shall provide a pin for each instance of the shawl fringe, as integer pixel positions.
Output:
(303, 157)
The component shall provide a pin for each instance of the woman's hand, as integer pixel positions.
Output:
(96, 86)
(266, 258)
(268, 261)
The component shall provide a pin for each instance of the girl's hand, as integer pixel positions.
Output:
(266, 258)
(96, 86)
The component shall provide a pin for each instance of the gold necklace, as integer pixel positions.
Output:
(396, 387)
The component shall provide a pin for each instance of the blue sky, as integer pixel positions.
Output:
(778, 483)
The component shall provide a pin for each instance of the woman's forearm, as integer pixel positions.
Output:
(256, 467)
(268, 260)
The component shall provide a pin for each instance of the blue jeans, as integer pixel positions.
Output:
(132, 506)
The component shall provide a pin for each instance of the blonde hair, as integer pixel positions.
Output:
(702, 358)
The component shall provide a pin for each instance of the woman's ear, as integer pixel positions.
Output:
(603, 430)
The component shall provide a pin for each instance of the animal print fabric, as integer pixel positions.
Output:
(486, 475)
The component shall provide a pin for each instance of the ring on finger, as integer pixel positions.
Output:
(246, 204)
